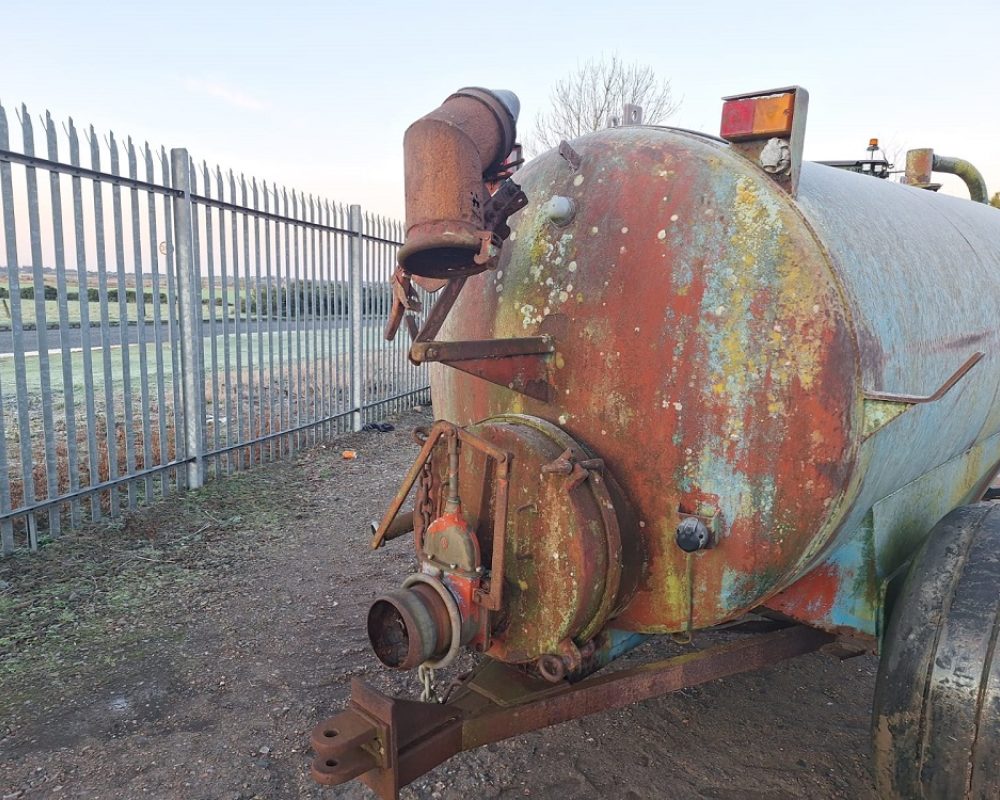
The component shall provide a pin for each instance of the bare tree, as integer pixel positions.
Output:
(585, 100)
(894, 151)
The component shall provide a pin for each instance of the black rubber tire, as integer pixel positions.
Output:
(936, 722)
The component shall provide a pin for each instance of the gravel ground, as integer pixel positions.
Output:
(187, 651)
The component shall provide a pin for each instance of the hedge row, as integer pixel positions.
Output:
(93, 294)
(303, 298)
(299, 298)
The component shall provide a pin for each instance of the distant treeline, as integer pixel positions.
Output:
(312, 298)
(93, 294)
(299, 298)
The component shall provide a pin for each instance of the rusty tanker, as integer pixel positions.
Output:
(681, 382)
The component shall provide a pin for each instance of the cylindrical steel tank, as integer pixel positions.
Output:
(716, 339)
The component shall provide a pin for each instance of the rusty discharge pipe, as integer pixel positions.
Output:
(446, 155)
(922, 162)
(408, 627)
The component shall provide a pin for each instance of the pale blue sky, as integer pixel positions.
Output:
(317, 95)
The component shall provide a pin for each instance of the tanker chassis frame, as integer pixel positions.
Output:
(388, 742)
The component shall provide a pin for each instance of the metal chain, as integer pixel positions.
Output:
(424, 500)
(426, 677)
(454, 684)
(425, 508)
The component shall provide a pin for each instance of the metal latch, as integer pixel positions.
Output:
(576, 470)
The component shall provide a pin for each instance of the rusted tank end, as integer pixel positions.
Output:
(447, 154)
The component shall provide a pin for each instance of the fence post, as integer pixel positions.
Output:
(355, 277)
(189, 314)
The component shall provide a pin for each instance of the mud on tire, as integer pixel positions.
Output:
(936, 722)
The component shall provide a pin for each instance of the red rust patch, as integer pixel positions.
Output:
(809, 599)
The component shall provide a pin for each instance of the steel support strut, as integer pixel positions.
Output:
(389, 742)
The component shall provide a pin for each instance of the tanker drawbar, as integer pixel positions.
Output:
(680, 383)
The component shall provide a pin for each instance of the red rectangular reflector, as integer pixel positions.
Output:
(737, 118)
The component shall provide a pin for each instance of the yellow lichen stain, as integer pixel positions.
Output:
(674, 587)
(796, 297)
(733, 363)
(560, 361)
(513, 403)
(746, 356)
(540, 248)
(879, 413)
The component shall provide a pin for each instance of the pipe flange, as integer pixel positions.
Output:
(454, 617)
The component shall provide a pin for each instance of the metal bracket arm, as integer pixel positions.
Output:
(942, 390)
(487, 348)
(404, 299)
(521, 365)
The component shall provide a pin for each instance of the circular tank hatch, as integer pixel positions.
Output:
(567, 569)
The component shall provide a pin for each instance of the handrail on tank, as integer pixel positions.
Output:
(922, 162)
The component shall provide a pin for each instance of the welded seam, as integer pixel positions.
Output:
(983, 681)
(945, 609)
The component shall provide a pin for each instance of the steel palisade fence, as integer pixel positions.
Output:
(173, 322)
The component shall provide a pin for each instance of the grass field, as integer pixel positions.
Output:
(332, 344)
(236, 298)
(75, 310)
(241, 405)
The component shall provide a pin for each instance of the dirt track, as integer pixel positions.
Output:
(190, 657)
